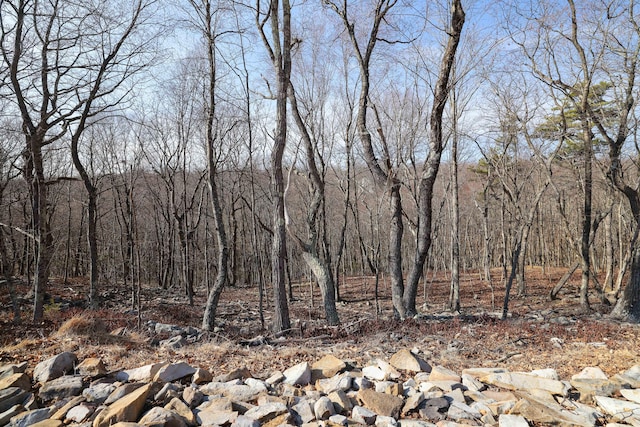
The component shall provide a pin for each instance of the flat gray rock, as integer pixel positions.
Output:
(174, 342)
(244, 421)
(14, 368)
(338, 420)
(80, 413)
(382, 421)
(26, 419)
(590, 373)
(266, 412)
(215, 417)
(9, 413)
(55, 367)
(174, 371)
(98, 393)
(521, 381)
(548, 411)
(122, 391)
(159, 416)
(459, 411)
(632, 395)
(11, 396)
(142, 373)
(508, 420)
(620, 410)
(339, 382)
(59, 388)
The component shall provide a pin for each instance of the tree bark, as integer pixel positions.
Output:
(279, 51)
(432, 164)
(212, 139)
(321, 268)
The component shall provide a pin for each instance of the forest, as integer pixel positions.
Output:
(199, 145)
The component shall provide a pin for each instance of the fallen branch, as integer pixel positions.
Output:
(21, 231)
(505, 357)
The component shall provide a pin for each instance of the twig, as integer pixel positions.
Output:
(507, 356)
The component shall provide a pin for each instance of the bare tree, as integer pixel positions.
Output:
(382, 170)
(623, 51)
(120, 60)
(206, 17)
(568, 61)
(278, 47)
(432, 164)
(81, 74)
(320, 266)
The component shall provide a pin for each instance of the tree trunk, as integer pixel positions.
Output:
(40, 223)
(609, 256)
(563, 280)
(512, 275)
(92, 218)
(222, 273)
(92, 240)
(586, 219)
(321, 268)
(396, 230)
(325, 281)
(208, 321)
(454, 294)
(280, 52)
(432, 164)
(628, 306)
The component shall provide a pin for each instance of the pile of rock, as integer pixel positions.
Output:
(172, 336)
(403, 391)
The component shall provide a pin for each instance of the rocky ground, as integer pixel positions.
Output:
(538, 336)
(403, 391)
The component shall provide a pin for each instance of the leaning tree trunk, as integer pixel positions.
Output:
(628, 306)
(326, 284)
(223, 256)
(321, 268)
(382, 176)
(563, 281)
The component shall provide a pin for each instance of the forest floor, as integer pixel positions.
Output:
(538, 333)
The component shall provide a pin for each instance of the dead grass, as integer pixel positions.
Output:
(82, 326)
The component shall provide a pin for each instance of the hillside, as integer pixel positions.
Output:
(538, 334)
